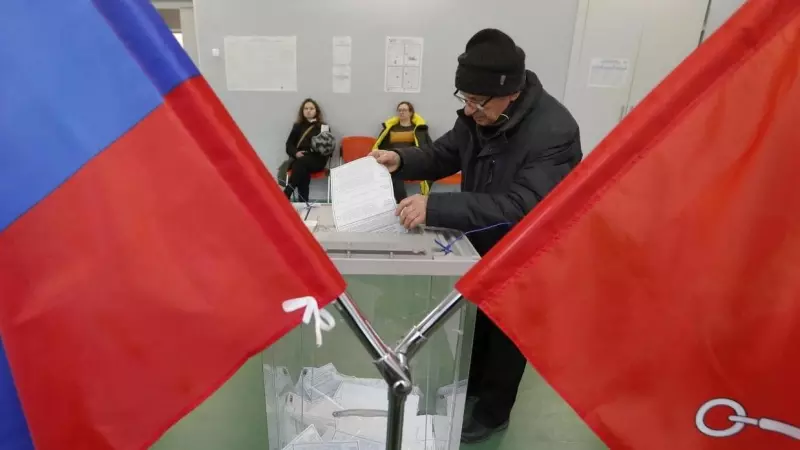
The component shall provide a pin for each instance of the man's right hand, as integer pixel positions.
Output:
(388, 159)
(299, 154)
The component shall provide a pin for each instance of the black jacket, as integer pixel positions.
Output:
(506, 171)
(293, 142)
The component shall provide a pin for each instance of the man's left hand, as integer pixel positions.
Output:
(412, 211)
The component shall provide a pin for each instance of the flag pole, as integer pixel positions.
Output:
(393, 364)
(394, 421)
(416, 338)
(394, 371)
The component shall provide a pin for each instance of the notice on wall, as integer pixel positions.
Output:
(404, 64)
(342, 57)
(342, 79)
(342, 50)
(608, 72)
(261, 63)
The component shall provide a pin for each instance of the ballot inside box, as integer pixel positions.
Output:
(325, 409)
(397, 281)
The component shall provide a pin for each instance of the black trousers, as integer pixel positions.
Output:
(495, 373)
(300, 178)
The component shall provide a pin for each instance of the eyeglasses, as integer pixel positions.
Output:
(478, 105)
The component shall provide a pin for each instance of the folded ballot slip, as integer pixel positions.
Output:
(326, 410)
(308, 436)
(319, 414)
(317, 383)
(364, 443)
(352, 445)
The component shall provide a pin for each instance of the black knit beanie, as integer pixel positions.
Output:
(491, 65)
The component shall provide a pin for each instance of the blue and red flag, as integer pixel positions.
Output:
(657, 289)
(145, 251)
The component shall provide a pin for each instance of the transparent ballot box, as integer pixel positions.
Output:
(298, 396)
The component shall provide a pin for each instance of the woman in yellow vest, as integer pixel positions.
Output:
(406, 129)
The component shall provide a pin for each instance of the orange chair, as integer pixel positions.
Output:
(452, 179)
(355, 147)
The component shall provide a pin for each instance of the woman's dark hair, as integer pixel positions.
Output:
(301, 118)
(410, 107)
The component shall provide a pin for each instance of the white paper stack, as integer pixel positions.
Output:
(363, 199)
(326, 410)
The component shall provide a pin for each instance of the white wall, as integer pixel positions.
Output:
(719, 12)
(543, 28)
(189, 33)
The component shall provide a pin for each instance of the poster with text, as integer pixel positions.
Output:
(261, 63)
(403, 65)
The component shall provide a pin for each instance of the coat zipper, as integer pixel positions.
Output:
(491, 174)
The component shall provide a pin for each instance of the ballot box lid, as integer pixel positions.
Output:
(413, 253)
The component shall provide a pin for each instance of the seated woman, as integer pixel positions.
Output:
(407, 129)
(309, 146)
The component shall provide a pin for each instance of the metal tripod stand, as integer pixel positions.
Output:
(393, 364)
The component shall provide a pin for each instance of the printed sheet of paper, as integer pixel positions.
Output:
(608, 72)
(342, 50)
(342, 57)
(394, 79)
(404, 64)
(342, 79)
(363, 198)
(411, 79)
(261, 63)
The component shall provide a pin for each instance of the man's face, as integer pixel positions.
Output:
(484, 110)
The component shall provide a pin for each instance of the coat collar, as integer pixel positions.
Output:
(417, 121)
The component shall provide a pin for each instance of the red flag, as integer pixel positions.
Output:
(658, 288)
(145, 252)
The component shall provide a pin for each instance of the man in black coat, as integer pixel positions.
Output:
(513, 142)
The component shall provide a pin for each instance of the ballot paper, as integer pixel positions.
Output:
(329, 434)
(451, 399)
(358, 396)
(451, 402)
(308, 436)
(366, 409)
(326, 410)
(363, 443)
(288, 427)
(419, 433)
(327, 446)
(281, 427)
(317, 383)
(276, 381)
(319, 414)
(363, 198)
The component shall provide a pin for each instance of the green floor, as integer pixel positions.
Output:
(235, 419)
(541, 421)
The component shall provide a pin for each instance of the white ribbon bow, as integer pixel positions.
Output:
(323, 320)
